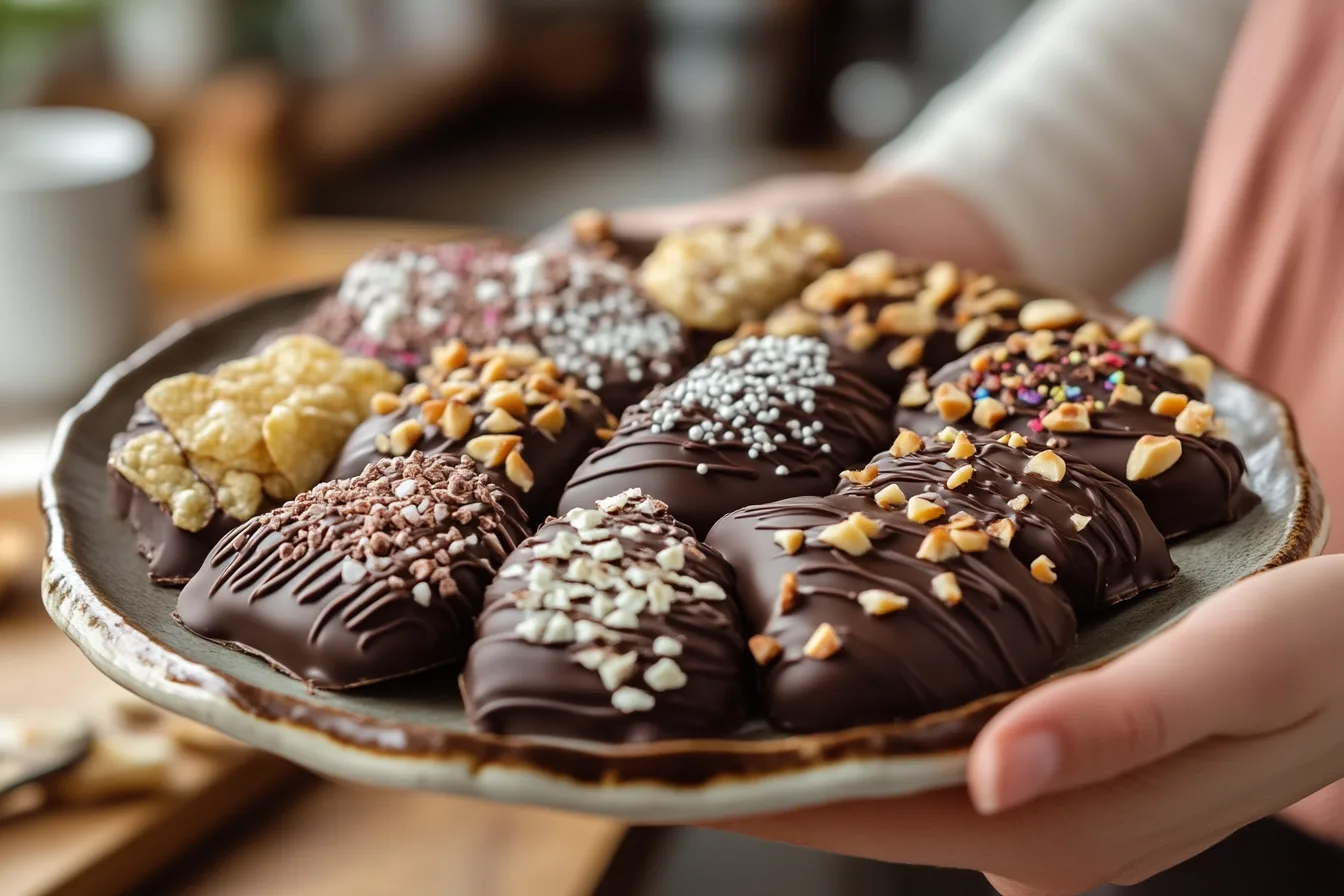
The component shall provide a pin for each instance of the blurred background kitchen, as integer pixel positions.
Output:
(289, 136)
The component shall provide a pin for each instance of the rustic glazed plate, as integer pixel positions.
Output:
(414, 733)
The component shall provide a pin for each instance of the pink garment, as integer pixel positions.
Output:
(1261, 282)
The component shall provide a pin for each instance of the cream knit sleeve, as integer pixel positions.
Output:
(1076, 136)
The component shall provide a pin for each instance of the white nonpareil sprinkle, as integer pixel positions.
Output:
(702, 469)
(629, 700)
(664, 645)
(665, 675)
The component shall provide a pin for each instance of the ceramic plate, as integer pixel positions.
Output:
(414, 734)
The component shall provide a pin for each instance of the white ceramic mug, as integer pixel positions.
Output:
(71, 204)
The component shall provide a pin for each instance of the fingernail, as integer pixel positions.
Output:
(1020, 772)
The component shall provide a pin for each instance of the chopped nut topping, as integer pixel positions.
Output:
(942, 281)
(1126, 392)
(907, 442)
(457, 419)
(960, 476)
(1048, 314)
(947, 435)
(866, 524)
(1195, 419)
(451, 356)
(961, 520)
(846, 537)
(922, 510)
(550, 419)
(1134, 331)
(877, 602)
(1080, 522)
(1019, 503)
(823, 644)
(1197, 369)
(946, 589)
(590, 225)
(792, 320)
(1002, 531)
(861, 337)
(508, 397)
(980, 362)
(1169, 404)
(501, 421)
(1047, 465)
(519, 473)
(907, 354)
(788, 592)
(790, 541)
(861, 477)
(961, 447)
(1041, 346)
(1016, 440)
(431, 411)
(972, 334)
(385, 403)
(951, 402)
(763, 649)
(492, 450)
(906, 319)
(938, 546)
(969, 541)
(995, 301)
(988, 412)
(418, 394)
(404, 436)
(1043, 570)
(1090, 333)
(890, 497)
(629, 700)
(1070, 416)
(914, 395)
(1152, 456)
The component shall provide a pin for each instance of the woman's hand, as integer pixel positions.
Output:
(1117, 774)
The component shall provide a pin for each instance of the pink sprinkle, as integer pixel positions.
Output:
(1035, 424)
(408, 358)
(491, 317)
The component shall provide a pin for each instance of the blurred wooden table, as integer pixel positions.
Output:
(329, 839)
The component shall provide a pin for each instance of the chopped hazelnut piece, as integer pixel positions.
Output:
(501, 421)
(914, 395)
(877, 602)
(1002, 531)
(506, 397)
(404, 436)
(960, 476)
(464, 392)
(788, 592)
(866, 524)
(969, 541)
(947, 435)
(907, 354)
(1019, 503)
(861, 337)
(847, 537)
(946, 589)
(792, 320)
(1048, 314)
(418, 394)
(790, 540)
(1047, 465)
(995, 301)
(382, 444)
(988, 412)
(1169, 404)
(961, 447)
(823, 644)
(763, 649)
(922, 510)
(492, 450)
(432, 410)
(494, 370)
(1041, 346)
(550, 419)
(890, 497)
(1152, 456)
(1080, 521)
(1070, 416)
(938, 546)
(457, 419)
(942, 281)
(1195, 420)
(1090, 333)
(906, 319)
(860, 477)
(907, 442)
(951, 402)
(972, 334)
(1197, 369)
(1016, 440)
(1129, 394)
(385, 403)
(451, 356)
(1043, 570)
(961, 520)
(519, 473)
(1134, 331)
(980, 362)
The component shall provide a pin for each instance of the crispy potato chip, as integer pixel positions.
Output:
(153, 463)
(238, 493)
(306, 430)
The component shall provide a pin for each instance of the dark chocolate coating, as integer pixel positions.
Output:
(515, 686)
(665, 463)
(1205, 488)
(1008, 631)
(174, 555)
(1116, 555)
(276, 586)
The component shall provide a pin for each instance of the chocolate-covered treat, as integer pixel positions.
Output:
(362, 579)
(1106, 401)
(611, 624)
(204, 452)
(769, 419)
(586, 312)
(864, 615)
(887, 317)
(506, 408)
(1090, 526)
(716, 276)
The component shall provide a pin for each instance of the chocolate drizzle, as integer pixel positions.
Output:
(768, 419)
(1004, 629)
(611, 624)
(360, 580)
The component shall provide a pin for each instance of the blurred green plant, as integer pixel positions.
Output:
(31, 31)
